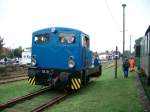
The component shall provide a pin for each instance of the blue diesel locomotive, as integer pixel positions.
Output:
(61, 58)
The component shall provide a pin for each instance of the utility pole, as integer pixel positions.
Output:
(130, 44)
(123, 5)
(116, 54)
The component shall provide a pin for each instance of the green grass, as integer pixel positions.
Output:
(104, 95)
(15, 89)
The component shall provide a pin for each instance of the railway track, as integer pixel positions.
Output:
(50, 102)
(119, 63)
(12, 78)
(22, 98)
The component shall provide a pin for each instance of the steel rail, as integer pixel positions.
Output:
(22, 98)
(12, 76)
(49, 103)
(13, 80)
(110, 66)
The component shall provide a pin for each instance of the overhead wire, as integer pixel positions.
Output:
(113, 19)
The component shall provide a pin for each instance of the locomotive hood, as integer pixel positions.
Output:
(56, 57)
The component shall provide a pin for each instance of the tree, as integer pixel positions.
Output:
(127, 54)
(17, 52)
(1, 44)
(138, 41)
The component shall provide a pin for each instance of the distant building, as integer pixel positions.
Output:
(26, 56)
(109, 55)
(103, 56)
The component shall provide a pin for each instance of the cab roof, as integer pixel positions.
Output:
(57, 29)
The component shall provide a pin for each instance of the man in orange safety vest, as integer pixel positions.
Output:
(132, 63)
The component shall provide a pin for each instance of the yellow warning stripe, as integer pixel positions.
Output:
(74, 84)
(77, 83)
(31, 81)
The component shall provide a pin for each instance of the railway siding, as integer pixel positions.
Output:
(7, 76)
(4, 81)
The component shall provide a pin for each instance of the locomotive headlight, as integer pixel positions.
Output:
(71, 63)
(33, 62)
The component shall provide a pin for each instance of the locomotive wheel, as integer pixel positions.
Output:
(85, 78)
(68, 89)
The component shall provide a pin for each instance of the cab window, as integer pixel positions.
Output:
(43, 38)
(66, 38)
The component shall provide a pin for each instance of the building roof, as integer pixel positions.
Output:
(148, 30)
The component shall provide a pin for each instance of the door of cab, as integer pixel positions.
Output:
(85, 48)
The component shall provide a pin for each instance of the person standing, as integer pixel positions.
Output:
(132, 63)
(125, 68)
(5, 59)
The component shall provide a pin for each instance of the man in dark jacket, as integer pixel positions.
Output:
(5, 59)
(125, 68)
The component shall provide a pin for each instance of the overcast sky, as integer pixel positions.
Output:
(100, 19)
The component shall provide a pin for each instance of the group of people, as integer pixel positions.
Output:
(126, 64)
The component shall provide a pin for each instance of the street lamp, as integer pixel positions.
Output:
(123, 5)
